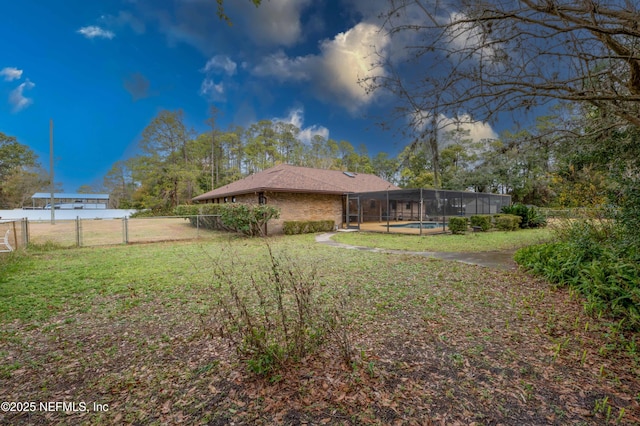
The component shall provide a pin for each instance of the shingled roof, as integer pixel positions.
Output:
(286, 178)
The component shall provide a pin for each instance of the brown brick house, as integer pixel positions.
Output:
(301, 193)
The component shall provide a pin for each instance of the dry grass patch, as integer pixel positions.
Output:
(97, 232)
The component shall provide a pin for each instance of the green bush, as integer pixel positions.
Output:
(243, 218)
(530, 216)
(590, 260)
(295, 227)
(482, 221)
(457, 225)
(151, 213)
(187, 210)
(507, 222)
(247, 219)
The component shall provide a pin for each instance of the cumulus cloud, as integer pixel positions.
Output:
(11, 73)
(308, 133)
(220, 63)
(17, 99)
(296, 117)
(478, 130)
(337, 70)
(93, 31)
(350, 57)
(216, 66)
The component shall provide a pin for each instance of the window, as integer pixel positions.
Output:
(233, 199)
(226, 200)
(261, 198)
(408, 206)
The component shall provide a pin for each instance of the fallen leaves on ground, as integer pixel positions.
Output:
(440, 344)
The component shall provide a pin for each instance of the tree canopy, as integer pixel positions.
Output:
(20, 172)
(487, 57)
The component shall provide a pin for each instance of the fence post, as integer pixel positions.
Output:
(78, 242)
(125, 230)
(198, 226)
(15, 235)
(25, 231)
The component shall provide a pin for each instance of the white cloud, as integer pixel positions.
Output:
(350, 57)
(11, 73)
(17, 98)
(283, 68)
(337, 70)
(478, 130)
(94, 31)
(296, 117)
(212, 90)
(220, 63)
(306, 135)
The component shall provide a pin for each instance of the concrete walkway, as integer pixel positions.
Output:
(490, 259)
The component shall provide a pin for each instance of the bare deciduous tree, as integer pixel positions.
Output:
(487, 57)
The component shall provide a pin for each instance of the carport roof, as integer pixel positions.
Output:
(69, 196)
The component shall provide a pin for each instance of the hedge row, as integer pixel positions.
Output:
(307, 226)
(502, 222)
(244, 218)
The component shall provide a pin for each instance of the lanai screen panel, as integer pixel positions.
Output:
(422, 205)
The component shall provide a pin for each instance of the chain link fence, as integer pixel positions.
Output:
(13, 235)
(100, 232)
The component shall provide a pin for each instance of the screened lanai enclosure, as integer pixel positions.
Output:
(416, 211)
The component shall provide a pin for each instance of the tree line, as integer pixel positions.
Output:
(538, 165)
(174, 165)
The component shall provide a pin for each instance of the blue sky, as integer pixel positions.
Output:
(103, 69)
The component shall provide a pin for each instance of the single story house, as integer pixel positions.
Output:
(301, 193)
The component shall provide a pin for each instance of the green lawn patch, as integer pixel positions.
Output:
(469, 242)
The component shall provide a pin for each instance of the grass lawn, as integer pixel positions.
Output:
(469, 242)
(130, 328)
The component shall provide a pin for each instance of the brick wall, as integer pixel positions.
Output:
(304, 207)
(295, 206)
